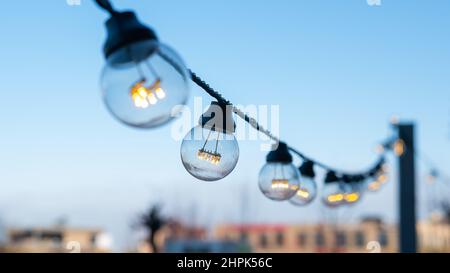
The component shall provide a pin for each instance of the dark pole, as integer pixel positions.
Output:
(407, 198)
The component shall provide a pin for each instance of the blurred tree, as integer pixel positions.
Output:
(152, 222)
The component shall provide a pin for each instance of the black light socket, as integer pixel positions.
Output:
(280, 154)
(307, 169)
(218, 117)
(123, 29)
(331, 178)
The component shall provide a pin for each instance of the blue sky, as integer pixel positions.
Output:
(337, 69)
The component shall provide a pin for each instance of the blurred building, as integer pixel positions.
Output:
(313, 237)
(177, 237)
(369, 235)
(55, 240)
(434, 235)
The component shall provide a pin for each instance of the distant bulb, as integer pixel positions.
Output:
(374, 185)
(352, 197)
(333, 194)
(352, 193)
(279, 181)
(381, 177)
(399, 147)
(306, 192)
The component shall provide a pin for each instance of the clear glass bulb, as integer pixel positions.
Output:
(306, 193)
(381, 178)
(353, 193)
(399, 147)
(373, 185)
(209, 155)
(144, 84)
(279, 181)
(333, 194)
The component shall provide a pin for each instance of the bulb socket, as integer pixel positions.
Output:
(331, 178)
(279, 154)
(347, 179)
(124, 29)
(307, 169)
(218, 117)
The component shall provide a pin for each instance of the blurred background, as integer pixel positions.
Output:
(72, 179)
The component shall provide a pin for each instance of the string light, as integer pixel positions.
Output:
(279, 179)
(210, 151)
(374, 185)
(353, 191)
(333, 192)
(307, 190)
(399, 147)
(378, 176)
(143, 80)
(137, 91)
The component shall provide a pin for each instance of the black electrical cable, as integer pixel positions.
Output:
(107, 6)
(254, 123)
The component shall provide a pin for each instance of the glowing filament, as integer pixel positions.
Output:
(213, 158)
(303, 193)
(399, 147)
(143, 96)
(160, 93)
(280, 184)
(374, 186)
(351, 197)
(382, 178)
(334, 198)
(210, 156)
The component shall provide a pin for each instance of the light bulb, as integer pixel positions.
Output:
(279, 178)
(278, 181)
(352, 185)
(399, 147)
(373, 185)
(210, 151)
(333, 195)
(382, 178)
(352, 193)
(379, 178)
(333, 192)
(144, 82)
(307, 190)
